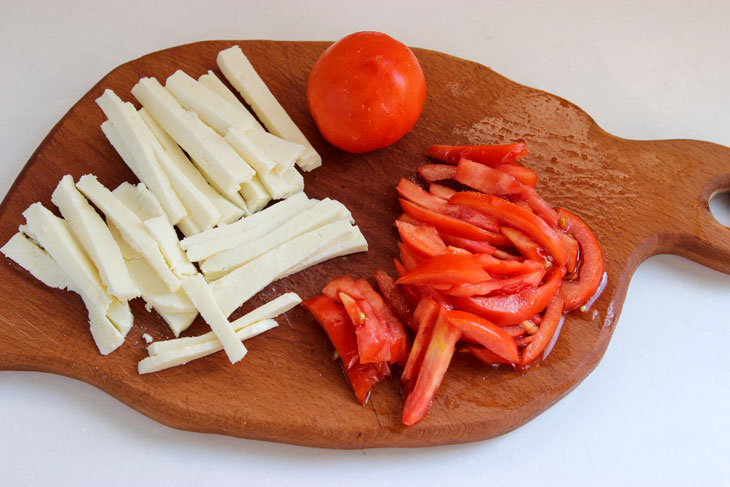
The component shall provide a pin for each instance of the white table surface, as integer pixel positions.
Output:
(655, 411)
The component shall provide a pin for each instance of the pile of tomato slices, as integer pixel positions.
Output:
(486, 266)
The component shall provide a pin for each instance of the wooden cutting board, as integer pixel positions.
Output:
(640, 197)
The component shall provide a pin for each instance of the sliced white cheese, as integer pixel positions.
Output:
(201, 294)
(141, 158)
(213, 83)
(178, 322)
(350, 243)
(324, 212)
(120, 314)
(140, 200)
(240, 73)
(235, 288)
(55, 236)
(28, 255)
(283, 152)
(181, 356)
(277, 186)
(188, 227)
(215, 158)
(255, 194)
(290, 204)
(213, 109)
(270, 310)
(163, 232)
(94, 236)
(229, 212)
(293, 179)
(131, 227)
(251, 153)
(249, 229)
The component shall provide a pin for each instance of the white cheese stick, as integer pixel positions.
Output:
(283, 152)
(181, 356)
(178, 322)
(237, 287)
(139, 199)
(188, 227)
(277, 186)
(293, 179)
(163, 232)
(350, 243)
(229, 212)
(28, 255)
(249, 151)
(120, 314)
(215, 158)
(248, 233)
(131, 227)
(324, 212)
(55, 236)
(201, 294)
(267, 311)
(141, 158)
(240, 73)
(255, 194)
(213, 83)
(290, 205)
(94, 236)
(214, 110)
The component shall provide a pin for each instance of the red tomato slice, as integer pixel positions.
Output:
(484, 154)
(474, 246)
(433, 367)
(436, 172)
(450, 225)
(485, 355)
(514, 308)
(553, 315)
(519, 172)
(396, 331)
(503, 267)
(510, 285)
(515, 216)
(373, 340)
(449, 269)
(441, 191)
(413, 192)
(424, 318)
(485, 333)
(336, 324)
(571, 245)
(590, 274)
(393, 296)
(524, 244)
(424, 239)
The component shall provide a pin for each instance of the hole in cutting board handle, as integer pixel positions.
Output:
(720, 206)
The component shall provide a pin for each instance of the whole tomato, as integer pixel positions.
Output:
(366, 91)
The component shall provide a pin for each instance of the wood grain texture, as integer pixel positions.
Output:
(640, 197)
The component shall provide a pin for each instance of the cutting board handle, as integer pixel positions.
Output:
(693, 172)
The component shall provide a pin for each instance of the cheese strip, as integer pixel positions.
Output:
(251, 153)
(214, 110)
(139, 199)
(255, 194)
(201, 294)
(350, 243)
(324, 212)
(93, 235)
(240, 73)
(229, 212)
(131, 227)
(188, 227)
(283, 152)
(293, 179)
(120, 314)
(178, 322)
(155, 363)
(290, 205)
(215, 158)
(213, 83)
(54, 235)
(163, 232)
(270, 310)
(141, 160)
(210, 248)
(237, 287)
(28, 255)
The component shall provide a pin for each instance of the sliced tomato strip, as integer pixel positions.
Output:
(590, 274)
(373, 340)
(413, 192)
(474, 246)
(510, 285)
(336, 324)
(553, 315)
(515, 216)
(424, 318)
(436, 172)
(519, 172)
(485, 355)
(393, 296)
(449, 269)
(485, 333)
(441, 191)
(396, 332)
(571, 245)
(524, 244)
(436, 360)
(486, 179)
(514, 308)
(483, 154)
(424, 239)
(410, 293)
(448, 224)
(409, 257)
(503, 267)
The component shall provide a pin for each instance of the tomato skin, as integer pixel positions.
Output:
(366, 91)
